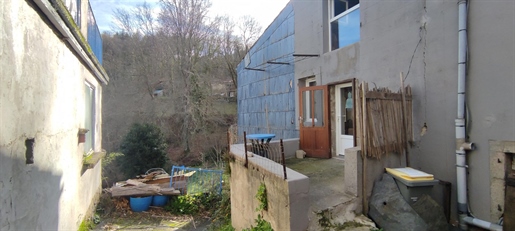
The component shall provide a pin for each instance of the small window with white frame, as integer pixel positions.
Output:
(311, 82)
(344, 23)
(89, 117)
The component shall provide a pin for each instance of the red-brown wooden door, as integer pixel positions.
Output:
(314, 121)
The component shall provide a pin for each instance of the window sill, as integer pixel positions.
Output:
(90, 161)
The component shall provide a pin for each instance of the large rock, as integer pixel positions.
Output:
(390, 211)
(431, 212)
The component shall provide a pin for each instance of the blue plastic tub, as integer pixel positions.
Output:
(140, 204)
(159, 200)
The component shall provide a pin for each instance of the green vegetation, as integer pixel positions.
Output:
(221, 212)
(262, 198)
(189, 204)
(226, 227)
(261, 225)
(324, 221)
(347, 225)
(144, 147)
(111, 169)
(213, 204)
(86, 225)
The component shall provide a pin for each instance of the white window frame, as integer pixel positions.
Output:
(335, 18)
(91, 133)
(310, 80)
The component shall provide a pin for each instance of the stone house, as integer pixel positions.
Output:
(51, 114)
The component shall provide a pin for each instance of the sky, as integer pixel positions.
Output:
(264, 11)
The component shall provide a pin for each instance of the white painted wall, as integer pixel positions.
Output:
(42, 97)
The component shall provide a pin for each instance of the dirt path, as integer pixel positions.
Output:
(116, 214)
(153, 219)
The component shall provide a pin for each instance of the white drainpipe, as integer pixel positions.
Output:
(461, 145)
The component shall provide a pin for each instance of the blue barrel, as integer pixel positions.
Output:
(139, 204)
(159, 200)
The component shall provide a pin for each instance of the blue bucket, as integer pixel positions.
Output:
(139, 204)
(159, 200)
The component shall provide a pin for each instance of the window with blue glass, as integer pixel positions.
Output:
(344, 23)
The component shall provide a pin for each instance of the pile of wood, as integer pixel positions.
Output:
(155, 183)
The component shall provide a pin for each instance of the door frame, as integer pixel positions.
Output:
(338, 110)
(324, 144)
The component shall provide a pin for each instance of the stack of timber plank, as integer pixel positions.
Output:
(151, 184)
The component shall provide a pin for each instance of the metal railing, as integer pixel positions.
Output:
(94, 37)
(269, 155)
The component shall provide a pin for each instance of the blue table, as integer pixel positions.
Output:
(262, 148)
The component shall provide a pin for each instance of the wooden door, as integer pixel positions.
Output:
(314, 121)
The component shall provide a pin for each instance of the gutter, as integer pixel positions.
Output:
(462, 146)
(80, 46)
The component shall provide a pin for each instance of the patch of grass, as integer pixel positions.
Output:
(223, 107)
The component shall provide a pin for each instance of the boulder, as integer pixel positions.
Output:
(390, 211)
(431, 212)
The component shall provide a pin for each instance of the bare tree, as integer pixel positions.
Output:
(145, 19)
(124, 21)
(188, 25)
(236, 44)
(182, 49)
(250, 31)
(138, 20)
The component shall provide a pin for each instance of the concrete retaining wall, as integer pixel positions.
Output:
(288, 200)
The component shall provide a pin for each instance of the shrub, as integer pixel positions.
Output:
(144, 148)
(111, 170)
(184, 204)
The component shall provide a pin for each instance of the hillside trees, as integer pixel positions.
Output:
(163, 68)
(194, 47)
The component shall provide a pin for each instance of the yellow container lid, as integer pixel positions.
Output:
(410, 174)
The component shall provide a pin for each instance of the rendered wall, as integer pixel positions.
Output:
(421, 37)
(288, 200)
(42, 97)
(490, 93)
(311, 38)
(266, 99)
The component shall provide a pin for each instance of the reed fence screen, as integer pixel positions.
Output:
(386, 120)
